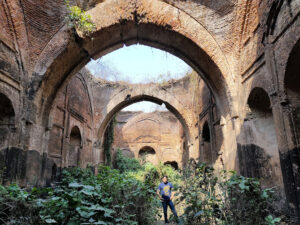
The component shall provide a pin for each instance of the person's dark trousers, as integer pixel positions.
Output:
(165, 203)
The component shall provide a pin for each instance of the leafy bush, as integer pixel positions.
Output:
(82, 198)
(77, 18)
(147, 172)
(16, 207)
(155, 173)
(133, 199)
(126, 164)
(152, 174)
(109, 198)
(128, 197)
(227, 199)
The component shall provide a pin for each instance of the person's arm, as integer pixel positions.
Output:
(158, 192)
(172, 195)
(172, 192)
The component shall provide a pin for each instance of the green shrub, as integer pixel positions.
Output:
(77, 18)
(110, 197)
(16, 207)
(227, 199)
(126, 164)
(155, 173)
(128, 197)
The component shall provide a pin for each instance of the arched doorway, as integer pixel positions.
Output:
(148, 154)
(206, 150)
(177, 111)
(7, 121)
(291, 158)
(155, 29)
(74, 147)
(292, 88)
(258, 155)
(151, 27)
(173, 164)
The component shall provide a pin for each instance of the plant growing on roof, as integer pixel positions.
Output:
(78, 18)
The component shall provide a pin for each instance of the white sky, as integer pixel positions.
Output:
(145, 106)
(139, 64)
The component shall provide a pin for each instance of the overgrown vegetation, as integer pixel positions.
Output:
(108, 140)
(110, 197)
(127, 196)
(77, 18)
(126, 164)
(17, 207)
(226, 199)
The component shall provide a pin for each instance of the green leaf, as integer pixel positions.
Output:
(277, 220)
(84, 212)
(100, 223)
(73, 222)
(75, 185)
(50, 221)
(201, 212)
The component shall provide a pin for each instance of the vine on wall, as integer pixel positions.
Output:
(108, 140)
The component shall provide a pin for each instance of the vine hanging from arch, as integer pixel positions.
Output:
(108, 140)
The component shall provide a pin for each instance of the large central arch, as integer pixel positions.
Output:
(152, 23)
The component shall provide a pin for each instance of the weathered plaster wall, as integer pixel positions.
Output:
(264, 55)
(209, 128)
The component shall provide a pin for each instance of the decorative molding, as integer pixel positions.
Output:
(59, 126)
(152, 120)
(147, 136)
(255, 66)
(6, 78)
(77, 115)
(57, 156)
(275, 39)
(61, 108)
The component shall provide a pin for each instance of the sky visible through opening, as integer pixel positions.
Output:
(139, 64)
(146, 107)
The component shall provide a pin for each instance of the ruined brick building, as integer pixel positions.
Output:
(245, 115)
(155, 137)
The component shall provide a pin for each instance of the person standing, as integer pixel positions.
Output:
(164, 191)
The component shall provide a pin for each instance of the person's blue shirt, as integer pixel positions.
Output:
(165, 189)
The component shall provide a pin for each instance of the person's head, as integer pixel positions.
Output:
(164, 179)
